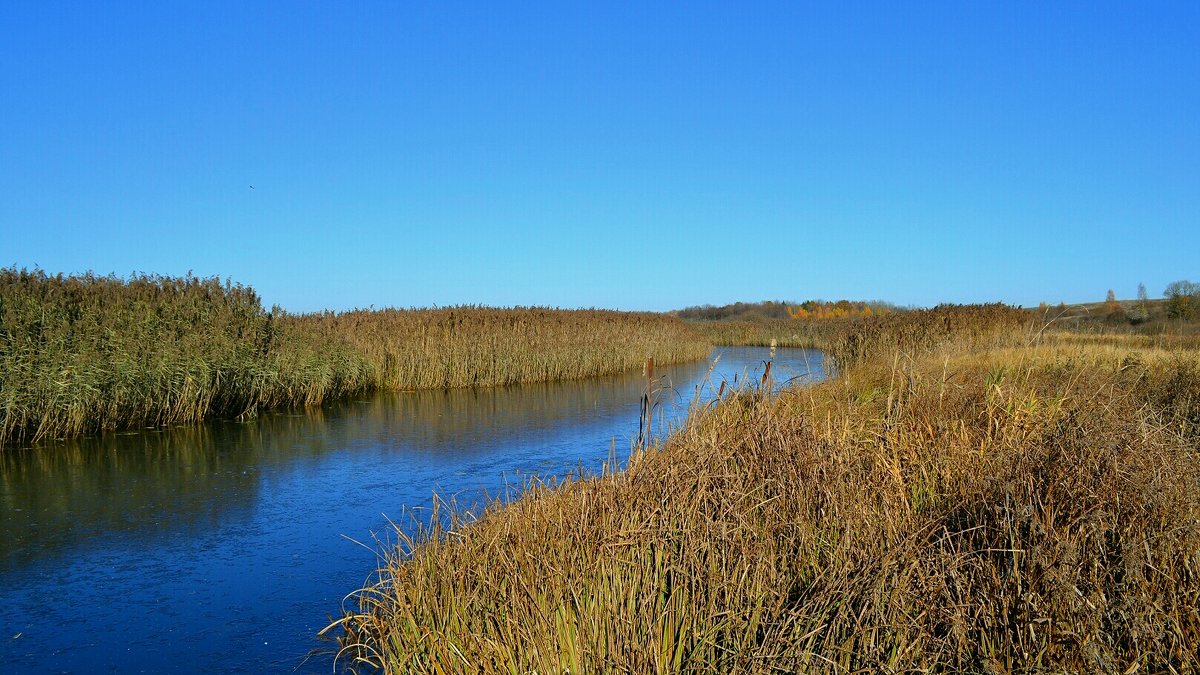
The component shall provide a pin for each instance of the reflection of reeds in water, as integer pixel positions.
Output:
(467, 420)
(136, 484)
(82, 354)
(56, 498)
(190, 478)
(972, 501)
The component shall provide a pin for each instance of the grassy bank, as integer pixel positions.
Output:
(82, 354)
(853, 337)
(989, 498)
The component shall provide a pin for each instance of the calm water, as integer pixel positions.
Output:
(225, 547)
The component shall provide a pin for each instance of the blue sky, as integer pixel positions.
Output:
(636, 156)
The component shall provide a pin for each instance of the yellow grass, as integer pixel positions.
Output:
(989, 499)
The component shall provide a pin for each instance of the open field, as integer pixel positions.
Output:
(971, 493)
(1155, 317)
(84, 354)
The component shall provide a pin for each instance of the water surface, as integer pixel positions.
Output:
(226, 547)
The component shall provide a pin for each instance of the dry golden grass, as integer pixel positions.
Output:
(474, 346)
(975, 502)
(848, 339)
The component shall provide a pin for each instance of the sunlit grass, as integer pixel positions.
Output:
(83, 354)
(969, 494)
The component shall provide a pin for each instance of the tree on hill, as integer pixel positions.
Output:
(1183, 299)
(1140, 312)
(768, 309)
(1112, 308)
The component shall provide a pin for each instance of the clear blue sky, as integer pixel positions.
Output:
(637, 156)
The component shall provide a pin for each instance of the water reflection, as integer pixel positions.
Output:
(223, 544)
(71, 494)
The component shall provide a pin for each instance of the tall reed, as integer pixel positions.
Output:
(973, 502)
(469, 346)
(961, 328)
(79, 354)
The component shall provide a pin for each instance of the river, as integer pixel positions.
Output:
(226, 547)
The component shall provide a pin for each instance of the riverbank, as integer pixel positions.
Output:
(82, 354)
(845, 338)
(971, 494)
(244, 531)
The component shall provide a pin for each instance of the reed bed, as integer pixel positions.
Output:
(850, 339)
(949, 328)
(80, 354)
(480, 346)
(979, 501)
(760, 332)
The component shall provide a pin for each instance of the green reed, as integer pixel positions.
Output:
(80, 354)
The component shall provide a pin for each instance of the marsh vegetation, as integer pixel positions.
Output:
(244, 531)
(974, 492)
(979, 489)
(80, 354)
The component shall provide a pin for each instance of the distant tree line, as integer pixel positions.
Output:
(767, 309)
(778, 309)
(819, 309)
(1181, 302)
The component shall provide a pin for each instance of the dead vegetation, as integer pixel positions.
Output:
(969, 494)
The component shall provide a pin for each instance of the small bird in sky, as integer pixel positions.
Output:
(251, 187)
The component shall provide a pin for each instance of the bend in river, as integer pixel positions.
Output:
(225, 547)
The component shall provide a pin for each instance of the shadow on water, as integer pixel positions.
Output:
(224, 547)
